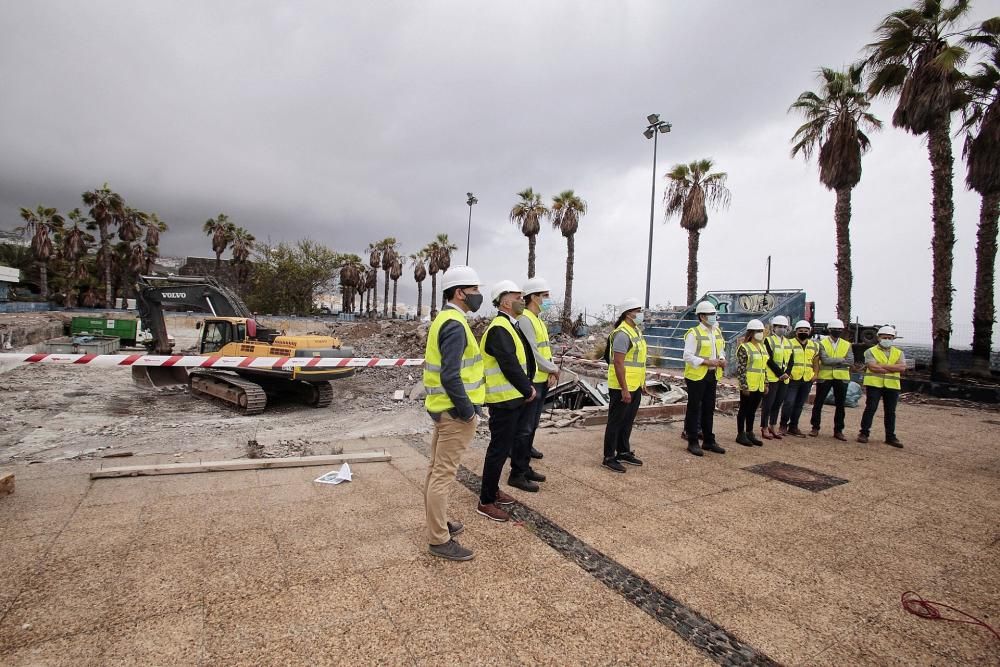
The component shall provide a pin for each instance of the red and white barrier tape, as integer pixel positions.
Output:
(205, 361)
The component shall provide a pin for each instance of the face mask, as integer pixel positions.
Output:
(545, 305)
(759, 336)
(517, 306)
(779, 331)
(885, 342)
(473, 302)
(802, 336)
(711, 320)
(835, 334)
(638, 319)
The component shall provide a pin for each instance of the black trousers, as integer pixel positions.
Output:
(621, 416)
(889, 398)
(749, 402)
(527, 423)
(503, 430)
(773, 400)
(839, 388)
(795, 399)
(701, 408)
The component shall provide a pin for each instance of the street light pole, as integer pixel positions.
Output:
(468, 235)
(655, 127)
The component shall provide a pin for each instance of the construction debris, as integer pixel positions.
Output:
(240, 464)
(6, 483)
(295, 447)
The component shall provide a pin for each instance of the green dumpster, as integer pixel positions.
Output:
(124, 329)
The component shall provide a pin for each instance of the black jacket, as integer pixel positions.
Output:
(500, 345)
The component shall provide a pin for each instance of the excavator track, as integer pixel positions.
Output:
(324, 394)
(246, 396)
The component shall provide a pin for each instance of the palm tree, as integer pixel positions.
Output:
(74, 248)
(130, 224)
(913, 59)
(527, 214)
(395, 273)
(351, 273)
(387, 255)
(431, 253)
(419, 275)
(374, 261)
(567, 209)
(42, 223)
(242, 242)
(154, 227)
(221, 231)
(982, 146)
(835, 119)
(371, 282)
(106, 208)
(693, 189)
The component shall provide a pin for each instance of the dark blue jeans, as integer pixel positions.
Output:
(795, 400)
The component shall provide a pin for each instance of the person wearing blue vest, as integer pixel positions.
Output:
(835, 366)
(883, 365)
(508, 369)
(455, 392)
(704, 363)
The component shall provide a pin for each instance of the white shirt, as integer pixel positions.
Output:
(691, 345)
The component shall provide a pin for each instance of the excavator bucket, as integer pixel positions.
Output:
(155, 377)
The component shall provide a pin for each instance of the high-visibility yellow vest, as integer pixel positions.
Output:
(437, 399)
(542, 343)
(885, 380)
(802, 360)
(703, 349)
(498, 389)
(635, 359)
(756, 365)
(842, 349)
(781, 347)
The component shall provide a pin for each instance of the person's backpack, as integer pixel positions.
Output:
(607, 348)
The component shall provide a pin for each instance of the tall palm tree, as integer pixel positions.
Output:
(242, 243)
(371, 282)
(836, 118)
(419, 275)
(431, 252)
(42, 224)
(387, 255)
(351, 272)
(154, 227)
(912, 58)
(220, 229)
(106, 208)
(375, 262)
(395, 273)
(131, 224)
(74, 249)
(692, 189)
(982, 146)
(567, 209)
(528, 214)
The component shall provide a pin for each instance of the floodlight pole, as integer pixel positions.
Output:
(468, 235)
(653, 129)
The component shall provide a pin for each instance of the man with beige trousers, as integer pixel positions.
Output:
(456, 390)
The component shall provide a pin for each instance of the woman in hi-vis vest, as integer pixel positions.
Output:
(626, 384)
(751, 373)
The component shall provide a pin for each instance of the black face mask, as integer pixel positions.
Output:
(473, 302)
(802, 336)
(835, 334)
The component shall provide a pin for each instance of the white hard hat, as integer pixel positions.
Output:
(835, 324)
(704, 308)
(780, 321)
(535, 285)
(502, 288)
(803, 324)
(631, 303)
(887, 331)
(755, 325)
(460, 276)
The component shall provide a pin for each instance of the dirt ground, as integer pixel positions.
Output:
(268, 567)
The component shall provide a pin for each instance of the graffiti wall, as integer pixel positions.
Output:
(749, 303)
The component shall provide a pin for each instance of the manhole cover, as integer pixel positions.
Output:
(803, 478)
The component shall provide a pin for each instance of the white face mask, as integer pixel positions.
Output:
(638, 319)
(759, 336)
(711, 320)
(885, 342)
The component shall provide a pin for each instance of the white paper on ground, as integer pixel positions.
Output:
(336, 476)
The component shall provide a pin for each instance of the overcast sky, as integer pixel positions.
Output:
(348, 122)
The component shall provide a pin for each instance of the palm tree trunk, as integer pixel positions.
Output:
(568, 299)
(107, 268)
(943, 245)
(531, 256)
(385, 300)
(395, 286)
(434, 291)
(43, 280)
(984, 314)
(373, 302)
(420, 299)
(845, 276)
(694, 238)
(218, 262)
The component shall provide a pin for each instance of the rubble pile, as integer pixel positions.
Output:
(292, 447)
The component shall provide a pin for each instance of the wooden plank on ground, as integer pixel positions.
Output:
(6, 483)
(241, 464)
(657, 412)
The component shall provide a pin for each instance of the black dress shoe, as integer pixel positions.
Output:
(533, 476)
(713, 447)
(894, 442)
(755, 440)
(535, 454)
(743, 439)
(523, 483)
(630, 458)
(696, 450)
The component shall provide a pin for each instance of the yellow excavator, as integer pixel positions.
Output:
(231, 330)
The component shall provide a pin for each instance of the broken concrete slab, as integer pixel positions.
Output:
(398, 395)
(6, 483)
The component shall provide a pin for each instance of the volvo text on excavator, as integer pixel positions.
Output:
(232, 331)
